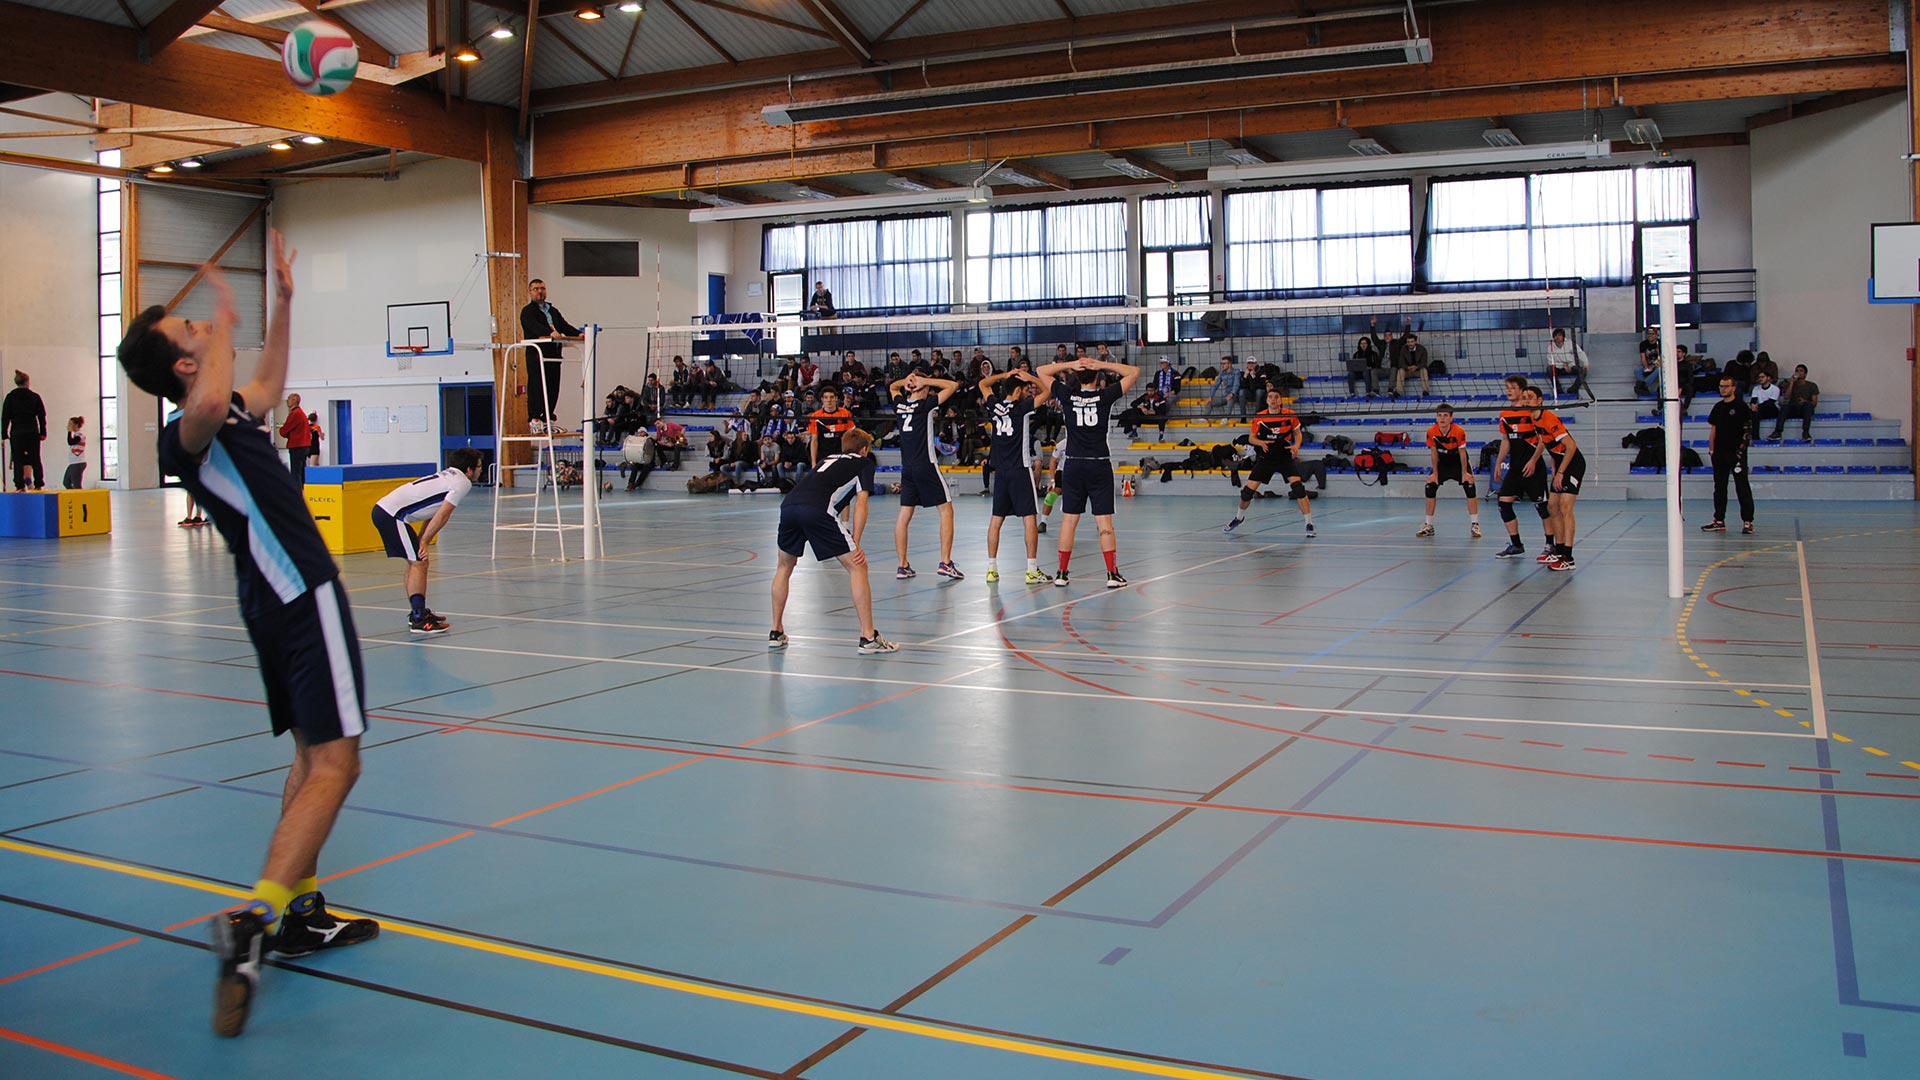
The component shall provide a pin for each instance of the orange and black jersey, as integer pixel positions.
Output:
(1548, 429)
(1276, 429)
(1449, 442)
(1516, 425)
(828, 427)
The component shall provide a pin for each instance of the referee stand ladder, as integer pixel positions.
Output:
(543, 475)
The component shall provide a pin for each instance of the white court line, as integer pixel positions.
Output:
(948, 684)
(111, 589)
(1064, 603)
(1813, 646)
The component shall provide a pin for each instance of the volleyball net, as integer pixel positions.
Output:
(1470, 343)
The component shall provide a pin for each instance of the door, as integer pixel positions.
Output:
(466, 420)
(342, 432)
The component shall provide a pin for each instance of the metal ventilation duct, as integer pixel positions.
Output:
(1416, 50)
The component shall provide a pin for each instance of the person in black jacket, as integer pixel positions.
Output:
(540, 319)
(23, 419)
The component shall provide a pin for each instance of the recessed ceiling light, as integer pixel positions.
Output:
(464, 53)
(162, 167)
(312, 140)
(633, 7)
(587, 11)
(191, 163)
(1128, 168)
(501, 33)
(280, 144)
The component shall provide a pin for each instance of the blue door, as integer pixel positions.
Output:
(343, 432)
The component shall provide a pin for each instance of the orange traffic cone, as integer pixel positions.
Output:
(1126, 489)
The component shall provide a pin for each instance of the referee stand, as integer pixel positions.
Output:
(550, 516)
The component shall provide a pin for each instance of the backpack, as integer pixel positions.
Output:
(710, 484)
(1205, 373)
(1339, 444)
(1488, 453)
(1390, 438)
(1436, 367)
(1287, 380)
(1690, 458)
(1645, 437)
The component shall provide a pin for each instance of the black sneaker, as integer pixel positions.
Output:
(1043, 525)
(876, 644)
(318, 929)
(239, 938)
(1115, 581)
(1747, 527)
(776, 639)
(1060, 580)
(427, 624)
(1714, 526)
(1513, 550)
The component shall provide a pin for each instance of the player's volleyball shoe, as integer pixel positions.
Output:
(876, 644)
(1310, 533)
(1036, 577)
(993, 576)
(303, 933)
(776, 639)
(1424, 530)
(1476, 530)
(1115, 581)
(1060, 580)
(239, 939)
(948, 570)
(1231, 525)
(903, 573)
(1513, 550)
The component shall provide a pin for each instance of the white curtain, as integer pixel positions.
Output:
(1319, 238)
(1570, 224)
(870, 263)
(1176, 221)
(1072, 251)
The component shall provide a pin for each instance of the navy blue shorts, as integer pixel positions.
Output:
(922, 485)
(398, 536)
(1013, 494)
(1086, 485)
(1278, 463)
(804, 526)
(310, 661)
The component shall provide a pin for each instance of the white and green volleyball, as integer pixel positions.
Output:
(319, 57)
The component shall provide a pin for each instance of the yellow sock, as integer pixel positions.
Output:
(304, 886)
(274, 896)
(305, 895)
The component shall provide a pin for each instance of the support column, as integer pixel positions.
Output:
(1913, 188)
(504, 203)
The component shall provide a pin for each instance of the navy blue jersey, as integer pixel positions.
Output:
(837, 477)
(916, 428)
(1086, 413)
(241, 483)
(1012, 445)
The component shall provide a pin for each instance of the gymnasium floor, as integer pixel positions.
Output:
(1365, 807)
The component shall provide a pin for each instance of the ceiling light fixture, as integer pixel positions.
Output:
(1439, 159)
(1128, 168)
(1368, 148)
(633, 7)
(1244, 157)
(1499, 136)
(587, 11)
(1015, 176)
(191, 163)
(852, 204)
(907, 183)
(1381, 54)
(312, 140)
(163, 167)
(503, 32)
(1642, 131)
(464, 53)
(979, 193)
(279, 144)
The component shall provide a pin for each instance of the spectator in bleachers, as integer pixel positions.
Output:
(713, 383)
(653, 398)
(1684, 366)
(717, 449)
(1412, 360)
(1165, 379)
(680, 388)
(1799, 398)
(1764, 400)
(696, 385)
(850, 365)
(793, 457)
(1226, 388)
(1364, 366)
(1763, 364)
(1151, 407)
(809, 373)
(1646, 376)
(820, 304)
(1015, 358)
(1564, 357)
(1741, 368)
(669, 443)
(743, 457)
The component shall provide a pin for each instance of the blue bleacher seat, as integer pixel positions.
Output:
(1895, 470)
(1645, 470)
(1856, 416)
(1824, 469)
(1758, 469)
(1796, 468)
(1828, 442)
(1863, 468)
(1889, 442)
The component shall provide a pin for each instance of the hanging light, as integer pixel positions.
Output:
(464, 53)
(503, 32)
(279, 144)
(587, 11)
(163, 167)
(633, 7)
(191, 163)
(312, 140)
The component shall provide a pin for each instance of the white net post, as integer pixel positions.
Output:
(1670, 416)
(590, 541)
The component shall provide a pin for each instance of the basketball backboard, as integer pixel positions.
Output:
(423, 329)
(1894, 271)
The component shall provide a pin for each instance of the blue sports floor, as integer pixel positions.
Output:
(1361, 808)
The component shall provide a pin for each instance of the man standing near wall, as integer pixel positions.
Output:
(23, 419)
(1730, 425)
(299, 435)
(540, 319)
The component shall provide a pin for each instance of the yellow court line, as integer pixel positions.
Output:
(757, 999)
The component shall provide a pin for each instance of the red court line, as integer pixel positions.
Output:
(82, 1055)
(1480, 735)
(1676, 757)
(1601, 750)
(1809, 768)
(1894, 776)
(1748, 765)
(1537, 742)
(71, 959)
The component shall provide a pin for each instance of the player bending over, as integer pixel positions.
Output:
(1519, 481)
(1448, 441)
(432, 498)
(1275, 437)
(1566, 469)
(807, 519)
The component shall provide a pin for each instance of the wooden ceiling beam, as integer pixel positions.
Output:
(1248, 147)
(44, 47)
(371, 51)
(1889, 74)
(828, 187)
(1045, 176)
(775, 20)
(83, 168)
(386, 69)
(300, 157)
(177, 19)
(901, 21)
(673, 7)
(843, 29)
(563, 39)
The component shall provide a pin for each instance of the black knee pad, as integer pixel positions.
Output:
(1472, 489)
(1297, 489)
(1541, 506)
(1506, 511)
(1432, 489)
(1248, 493)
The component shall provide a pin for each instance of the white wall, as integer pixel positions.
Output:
(1723, 187)
(49, 282)
(669, 291)
(1818, 183)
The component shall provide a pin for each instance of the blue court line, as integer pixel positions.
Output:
(1212, 876)
(664, 856)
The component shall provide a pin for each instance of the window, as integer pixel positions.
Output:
(870, 264)
(1573, 224)
(1308, 239)
(600, 258)
(1176, 239)
(106, 437)
(1068, 253)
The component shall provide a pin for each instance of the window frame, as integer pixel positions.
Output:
(1235, 291)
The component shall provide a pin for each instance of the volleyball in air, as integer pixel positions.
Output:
(319, 57)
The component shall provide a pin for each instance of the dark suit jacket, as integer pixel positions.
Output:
(534, 324)
(24, 416)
